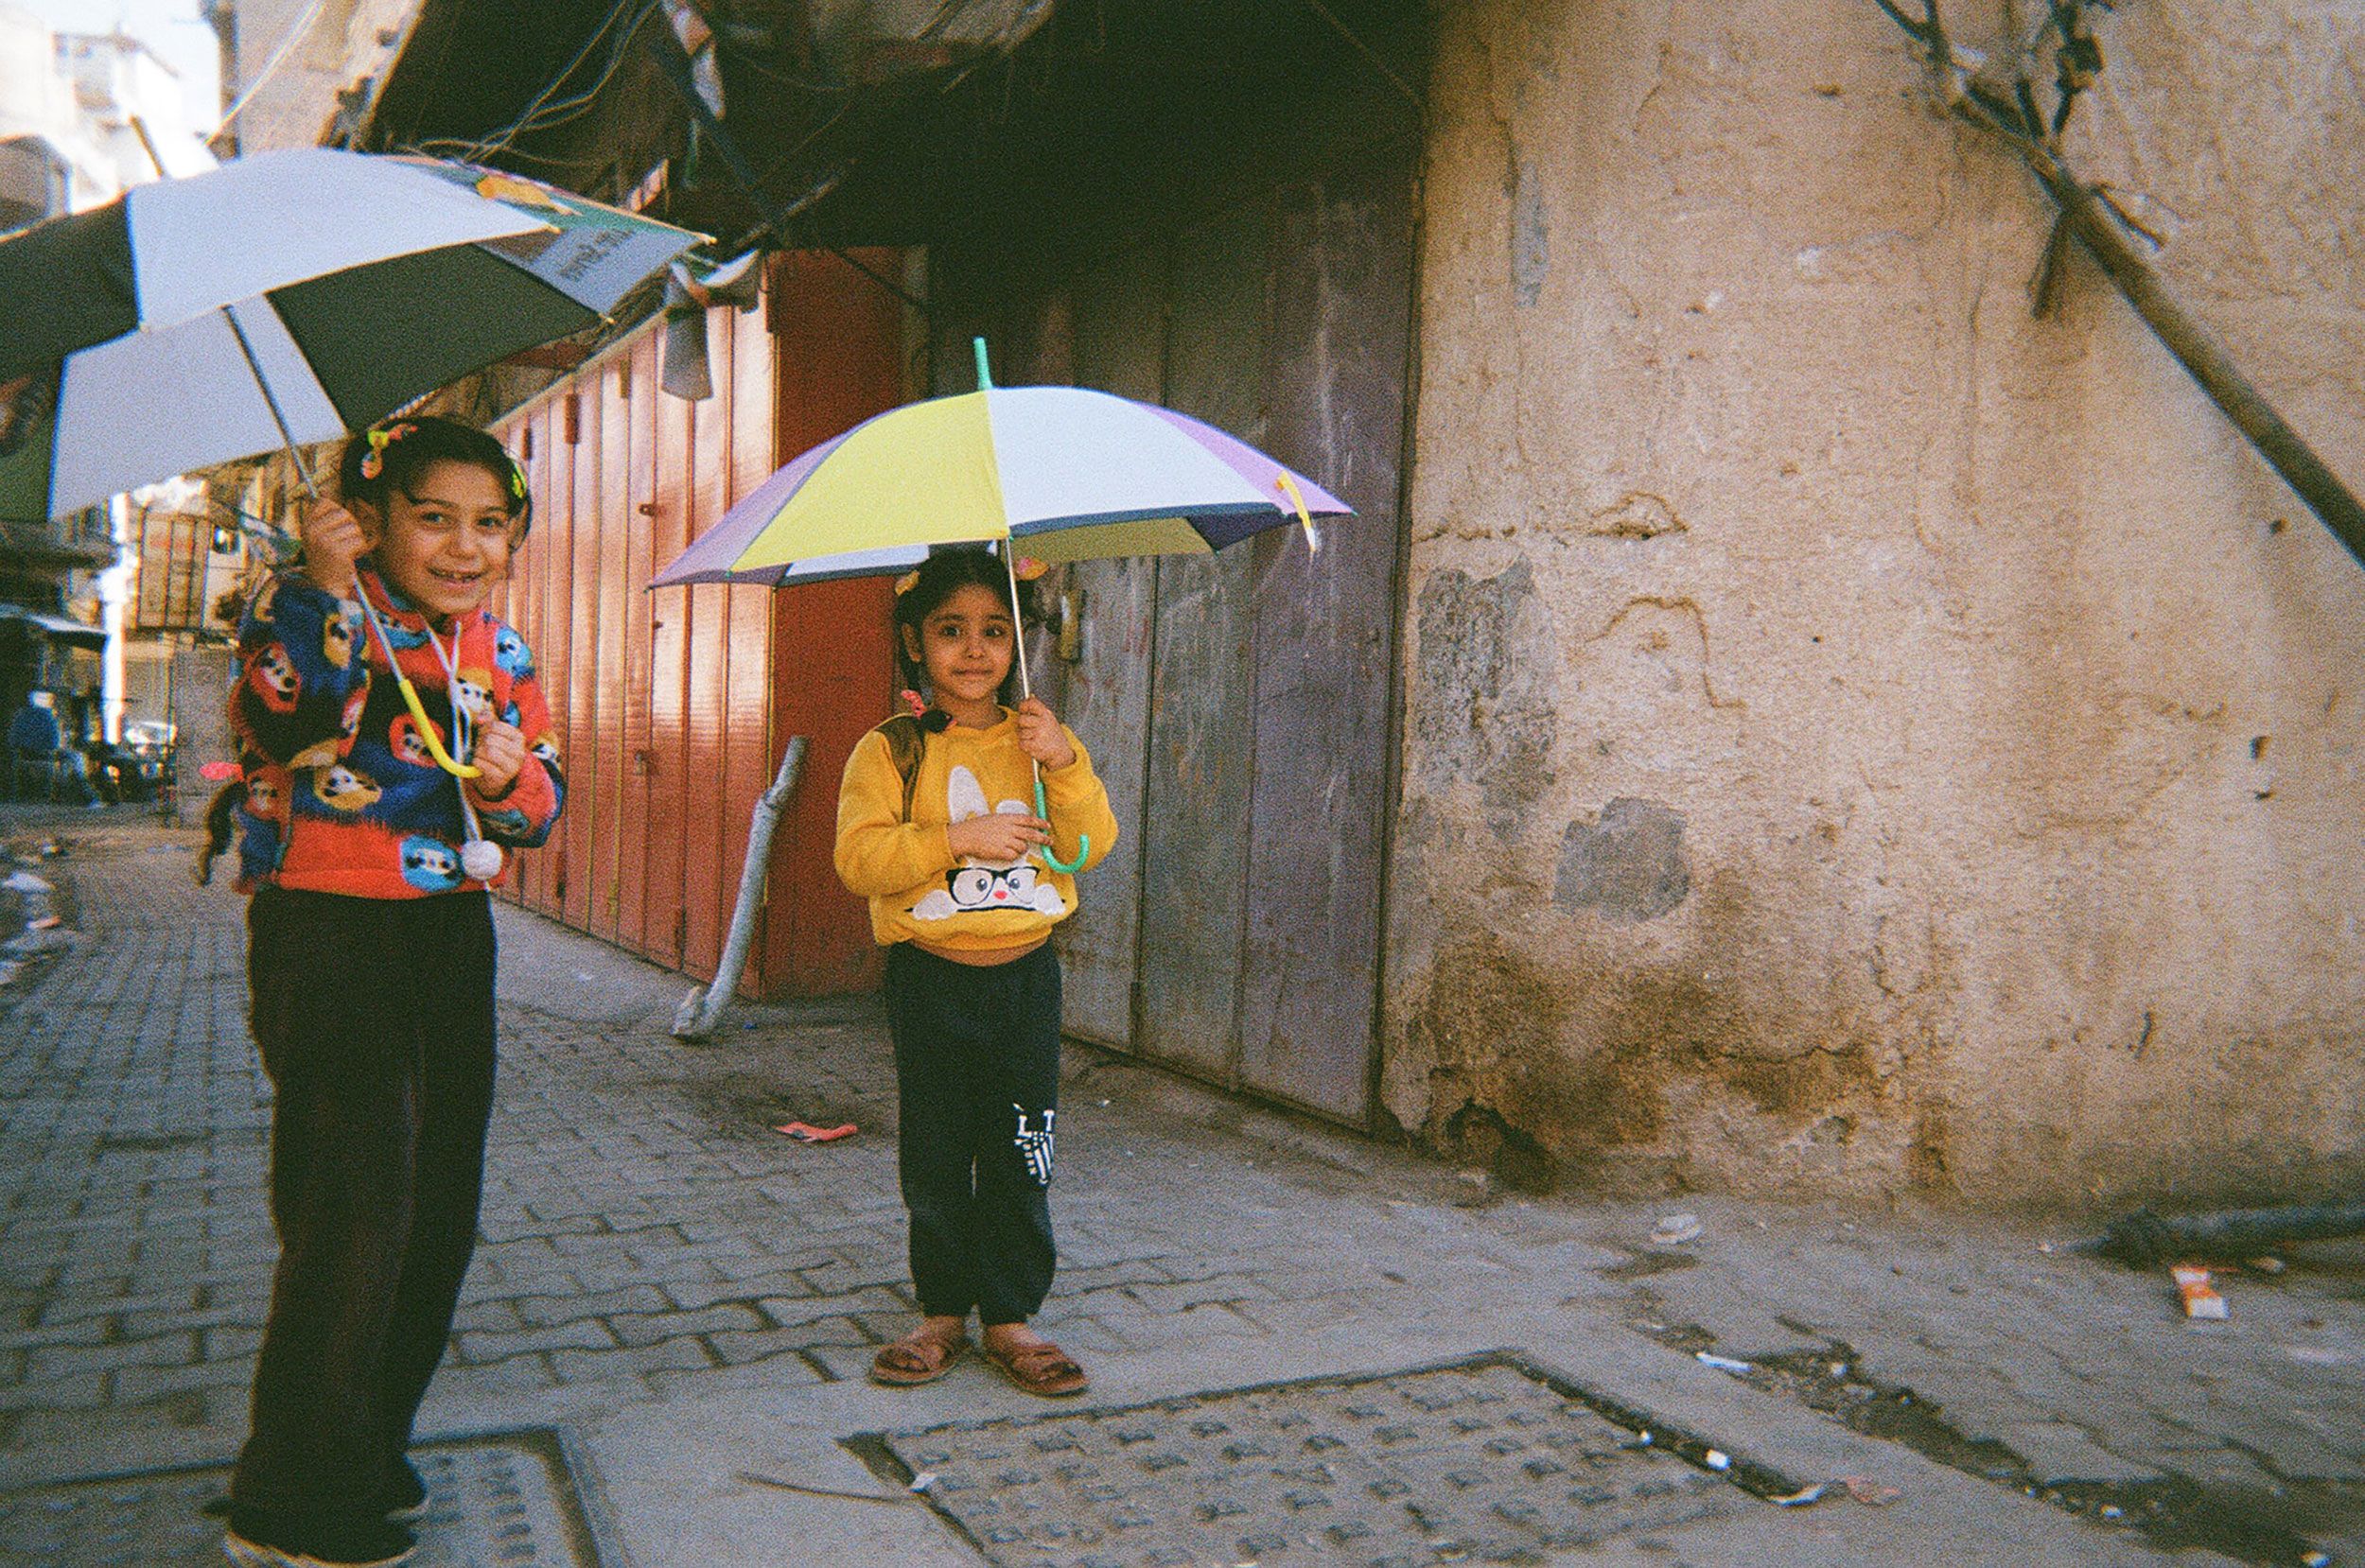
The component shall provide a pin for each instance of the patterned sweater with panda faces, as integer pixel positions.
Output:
(341, 794)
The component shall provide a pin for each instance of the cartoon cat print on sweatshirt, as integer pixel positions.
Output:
(976, 886)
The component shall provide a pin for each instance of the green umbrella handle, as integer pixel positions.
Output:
(1083, 841)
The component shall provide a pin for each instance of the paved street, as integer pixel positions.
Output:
(689, 1298)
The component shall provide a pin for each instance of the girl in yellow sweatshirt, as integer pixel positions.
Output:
(936, 828)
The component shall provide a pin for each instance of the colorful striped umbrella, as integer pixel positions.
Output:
(1063, 472)
(1067, 472)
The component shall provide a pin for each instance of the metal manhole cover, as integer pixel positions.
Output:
(506, 1500)
(1489, 1460)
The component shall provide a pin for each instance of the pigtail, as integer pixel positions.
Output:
(220, 827)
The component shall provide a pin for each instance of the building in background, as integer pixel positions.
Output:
(177, 631)
(131, 108)
(51, 159)
(84, 116)
(81, 119)
(1786, 719)
(303, 73)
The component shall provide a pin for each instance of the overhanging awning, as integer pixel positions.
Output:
(61, 628)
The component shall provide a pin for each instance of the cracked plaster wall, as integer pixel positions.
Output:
(1861, 739)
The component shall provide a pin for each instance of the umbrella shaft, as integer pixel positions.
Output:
(1018, 622)
(279, 417)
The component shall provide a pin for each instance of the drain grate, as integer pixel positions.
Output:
(1489, 1460)
(506, 1500)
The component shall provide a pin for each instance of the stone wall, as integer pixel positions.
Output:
(1863, 738)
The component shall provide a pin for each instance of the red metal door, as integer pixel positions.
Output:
(706, 894)
(840, 352)
(672, 707)
(555, 651)
(669, 685)
(579, 443)
(637, 370)
(746, 370)
(610, 589)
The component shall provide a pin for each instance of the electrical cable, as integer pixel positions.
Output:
(302, 26)
(575, 108)
(529, 119)
(533, 107)
(1370, 56)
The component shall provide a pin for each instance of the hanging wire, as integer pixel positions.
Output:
(1370, 57)
(575, 108)
(946, 13)
(302, 26)
(539, 113)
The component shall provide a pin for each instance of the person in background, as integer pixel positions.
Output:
(34, 743)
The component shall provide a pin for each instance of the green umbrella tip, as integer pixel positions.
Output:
(985, 375)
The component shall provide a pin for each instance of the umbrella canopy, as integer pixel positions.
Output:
(1067, 472)
(314, 358)
(164, 253)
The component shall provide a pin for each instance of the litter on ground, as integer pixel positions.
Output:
(805, 1132)
(1675, 1229)
(2193, 1288)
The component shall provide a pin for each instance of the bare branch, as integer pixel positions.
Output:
(1934, 28)
(2044, 289)
(1919, 31)
(2029, 116)
(2119, 210)
(2076, 65)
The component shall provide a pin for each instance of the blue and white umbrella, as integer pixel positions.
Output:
(288, 298)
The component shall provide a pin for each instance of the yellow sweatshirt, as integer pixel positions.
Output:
(916, 886)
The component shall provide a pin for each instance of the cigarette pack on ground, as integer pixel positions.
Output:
(2193, 1289)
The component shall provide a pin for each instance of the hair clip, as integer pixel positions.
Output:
(915, 702)
(1028, 569)
(904, 584)
(374, 462)
(517, 481)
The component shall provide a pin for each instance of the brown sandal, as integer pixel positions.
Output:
(917, 1357)
(1043, 1369)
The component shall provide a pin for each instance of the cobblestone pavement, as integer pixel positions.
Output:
(692, 1299)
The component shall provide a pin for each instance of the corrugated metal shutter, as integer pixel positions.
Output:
(672, 707)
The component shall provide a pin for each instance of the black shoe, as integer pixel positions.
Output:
(406, 1495)
(280, 1540)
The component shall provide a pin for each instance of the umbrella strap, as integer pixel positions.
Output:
(1305, 519)
(428, 737)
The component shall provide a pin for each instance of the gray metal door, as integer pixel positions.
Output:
(1242, 707)
(1117, 311)
(1325, 644)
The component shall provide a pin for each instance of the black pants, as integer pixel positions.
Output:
(977, 1076)
(375, 1020)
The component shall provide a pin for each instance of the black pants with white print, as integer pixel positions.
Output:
(977, 1075)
